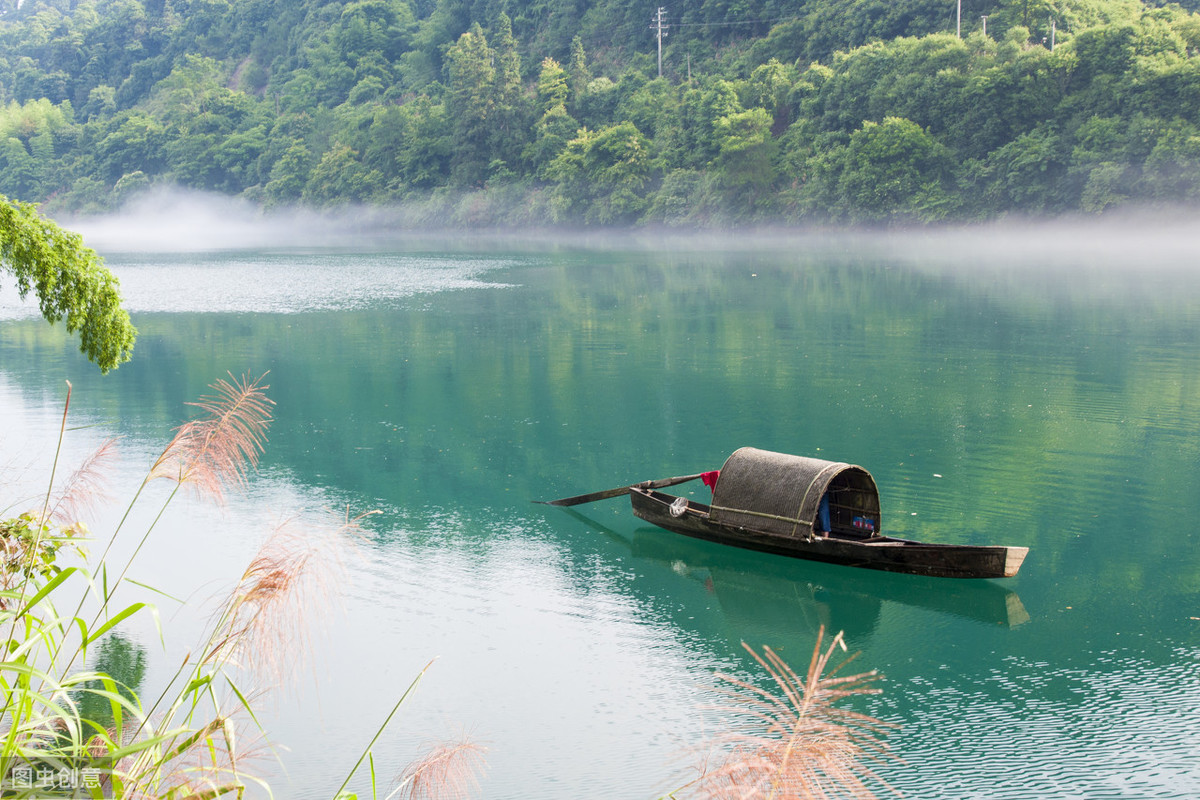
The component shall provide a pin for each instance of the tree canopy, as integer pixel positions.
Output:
(69, 280)
(475, 111)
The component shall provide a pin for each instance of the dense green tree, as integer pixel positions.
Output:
(134, 142)
(289, 175)
(886, 171)
(690, 198)
(339, 177)
(745, 160)
(130, 186)
(598, 104)
(650, 106)
(69, 280)
(268, 99)
(770, 87)
(602, 175)
(1030, 174)
(701, 111)
(510, 126)
(427, 153)
(1172, 168)
(101, 102)
(556, 126)
(472, 105)
(551, 135)
(825, 27)
(552, 87)
(579, 76)
(238, 158)
(18, 169)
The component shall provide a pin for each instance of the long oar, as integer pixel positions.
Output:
(617, 492)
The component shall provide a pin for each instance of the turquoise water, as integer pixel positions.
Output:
(1050, 401)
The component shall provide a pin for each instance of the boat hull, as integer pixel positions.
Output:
(879, 552)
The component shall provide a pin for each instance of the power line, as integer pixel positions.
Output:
(659, 26)
(736, 22)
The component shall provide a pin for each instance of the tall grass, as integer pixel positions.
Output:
(795, 741)
(194, 739)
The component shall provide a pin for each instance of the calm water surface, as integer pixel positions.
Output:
(1026, 400)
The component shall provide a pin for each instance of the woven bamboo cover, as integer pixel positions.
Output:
(780, 493)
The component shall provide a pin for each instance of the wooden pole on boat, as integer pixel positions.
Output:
(617, 492)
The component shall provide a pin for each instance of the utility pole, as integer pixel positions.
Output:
(1052, 27)
(660, 29)
(958, 21)
(984, 18)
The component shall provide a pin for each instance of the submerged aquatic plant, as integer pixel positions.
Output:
(795, 741)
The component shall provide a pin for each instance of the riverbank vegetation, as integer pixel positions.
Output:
(487, 113)
(71, 730)
(76, 720)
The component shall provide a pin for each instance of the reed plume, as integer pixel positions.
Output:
(448, 771)
(286, 589)
(209, 452)
(217, 450)
(794, 741)
(86, 488)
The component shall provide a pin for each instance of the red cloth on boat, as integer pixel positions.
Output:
(710, 479)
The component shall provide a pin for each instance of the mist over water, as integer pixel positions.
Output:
(167, 220)
(292, 260)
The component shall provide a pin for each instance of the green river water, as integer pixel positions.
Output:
(1028, 399)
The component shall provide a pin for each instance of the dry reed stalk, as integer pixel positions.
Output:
(796, 743)
(216, 450)
(448, 771)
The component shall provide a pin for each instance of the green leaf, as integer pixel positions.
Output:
(50, 586)
(112, 622)
(69, 280)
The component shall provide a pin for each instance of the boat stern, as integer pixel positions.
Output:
(1014, 557)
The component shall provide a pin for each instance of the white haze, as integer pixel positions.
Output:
(180, 221)
(161, 250)
(300, 260)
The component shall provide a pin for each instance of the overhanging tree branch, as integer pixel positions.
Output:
(70, 282)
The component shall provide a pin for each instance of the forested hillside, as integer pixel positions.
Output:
(504, 112)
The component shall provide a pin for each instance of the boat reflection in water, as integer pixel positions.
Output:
(774, 593)
(760, 594)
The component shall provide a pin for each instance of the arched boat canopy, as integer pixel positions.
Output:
(779, 493)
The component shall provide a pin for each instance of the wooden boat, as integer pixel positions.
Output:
(749, 587)
(808, 508)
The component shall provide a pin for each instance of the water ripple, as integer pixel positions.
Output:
(1071, 733)
(281, 283)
